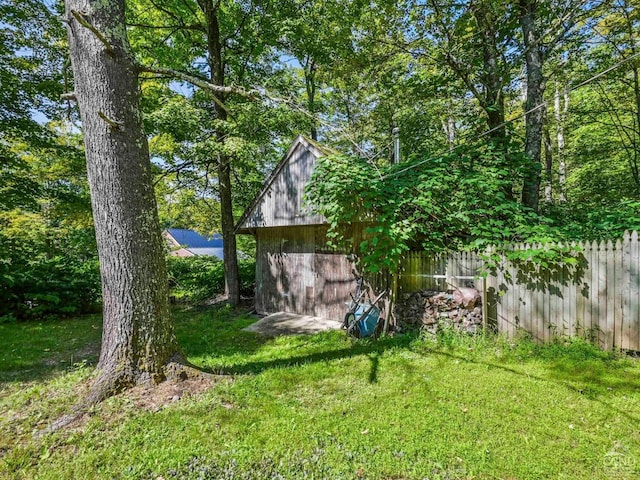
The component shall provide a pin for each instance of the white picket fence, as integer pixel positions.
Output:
(599, 298)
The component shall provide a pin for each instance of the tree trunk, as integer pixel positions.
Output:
(492, 97)
(310, 85)
(216, 68)
(449, 127)
(138, 342)
(548, 161)
(534, 105)
(635, 158)
(560, 112)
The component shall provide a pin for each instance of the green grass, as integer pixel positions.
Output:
(326, 407)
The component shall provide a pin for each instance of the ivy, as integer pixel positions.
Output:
(460, 201)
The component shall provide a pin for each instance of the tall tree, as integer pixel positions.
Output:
(475, 41)
(138, 343)
(215, 59)
(223, 48)
(535, 106)
(547, 27)
(30, 80)
(320, 36)
(619, 29)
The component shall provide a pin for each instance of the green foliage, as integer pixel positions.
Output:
(452, 202)
(47, 249)
(48, 264)
(187, 139)
(596, 221)
(193, 279)
(45, 288)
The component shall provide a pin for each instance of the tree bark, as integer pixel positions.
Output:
(310, 86)
(216, 69)
(138, 342)
(534, 105)
(560, 112)
(491, 96)
(548, 161)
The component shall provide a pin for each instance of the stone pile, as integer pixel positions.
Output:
(460, 308)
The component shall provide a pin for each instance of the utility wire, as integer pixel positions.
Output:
(502, 125)
(342, 130)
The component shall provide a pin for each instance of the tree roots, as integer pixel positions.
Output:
(109, 383)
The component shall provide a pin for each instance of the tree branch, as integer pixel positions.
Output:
(202, 83)
(194, 26)
(112, 123)
(82, 20)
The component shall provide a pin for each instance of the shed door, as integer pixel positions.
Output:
(300, 280)
(333, 283)
(296, 280)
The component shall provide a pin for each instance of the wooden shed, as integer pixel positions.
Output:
(295, 271)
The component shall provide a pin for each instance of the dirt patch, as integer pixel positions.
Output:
(156, 397)
(151, 398)
(87, 354)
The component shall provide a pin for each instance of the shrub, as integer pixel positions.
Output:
(192, 279)
(47, 287)
(40, 288)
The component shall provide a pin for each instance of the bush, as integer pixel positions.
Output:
(48, 287)
(41, 288)
(192, 279)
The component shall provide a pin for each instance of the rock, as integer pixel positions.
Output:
(467, 297)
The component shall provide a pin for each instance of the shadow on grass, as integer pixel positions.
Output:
(369, 348)
(204, 333)
(215, 331)
(574, 378)
(36, 351)
(579, 367)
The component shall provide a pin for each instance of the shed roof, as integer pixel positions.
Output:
(280, 202)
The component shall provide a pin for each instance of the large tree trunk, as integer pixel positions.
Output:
(534, 105)
(138, 342)
(216, 68)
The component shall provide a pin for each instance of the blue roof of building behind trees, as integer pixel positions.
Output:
(190, 239)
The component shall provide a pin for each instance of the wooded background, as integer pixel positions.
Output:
(459, 80)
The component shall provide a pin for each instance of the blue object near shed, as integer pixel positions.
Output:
(367, 323)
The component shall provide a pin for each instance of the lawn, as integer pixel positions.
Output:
(407, 407)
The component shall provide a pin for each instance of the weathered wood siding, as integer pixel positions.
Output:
(600, 298)
(281, 203)
(295, 274)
